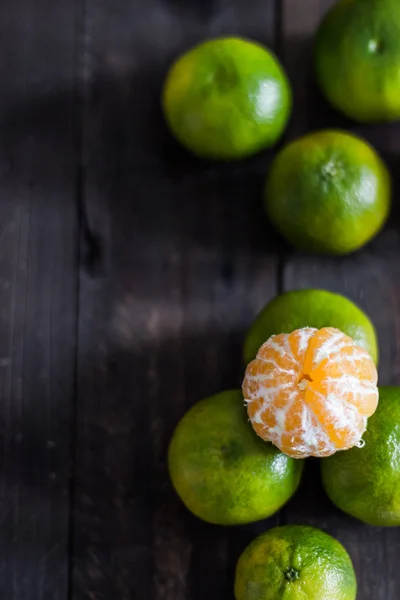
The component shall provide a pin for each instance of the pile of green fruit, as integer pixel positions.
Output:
(226, 475)
(328, 192)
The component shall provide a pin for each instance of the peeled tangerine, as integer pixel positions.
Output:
(310, 392)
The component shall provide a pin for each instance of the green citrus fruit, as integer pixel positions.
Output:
(365, 482)
(222, 471)
(227, 98)
(328, 192)
(295, 562)
(357, 59)
(310, 308)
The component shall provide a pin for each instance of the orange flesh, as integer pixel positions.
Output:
(310, 392)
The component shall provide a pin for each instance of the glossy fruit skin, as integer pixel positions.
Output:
(365, 482)
(222, 471)
(357, 59)
(311, 308)
(295, 562)
(226, 99)
(328, 192)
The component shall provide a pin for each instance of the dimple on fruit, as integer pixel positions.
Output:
(311, 392)
(222, 471)
(227, 98)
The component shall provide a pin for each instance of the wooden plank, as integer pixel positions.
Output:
(38, 289)
(185, 264)
(370, 278)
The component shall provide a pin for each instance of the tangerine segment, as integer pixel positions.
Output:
(310, 392)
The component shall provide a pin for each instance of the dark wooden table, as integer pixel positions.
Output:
(129, 272)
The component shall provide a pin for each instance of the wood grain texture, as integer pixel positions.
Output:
(186, 261)
(368, 277)
(38, 279)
